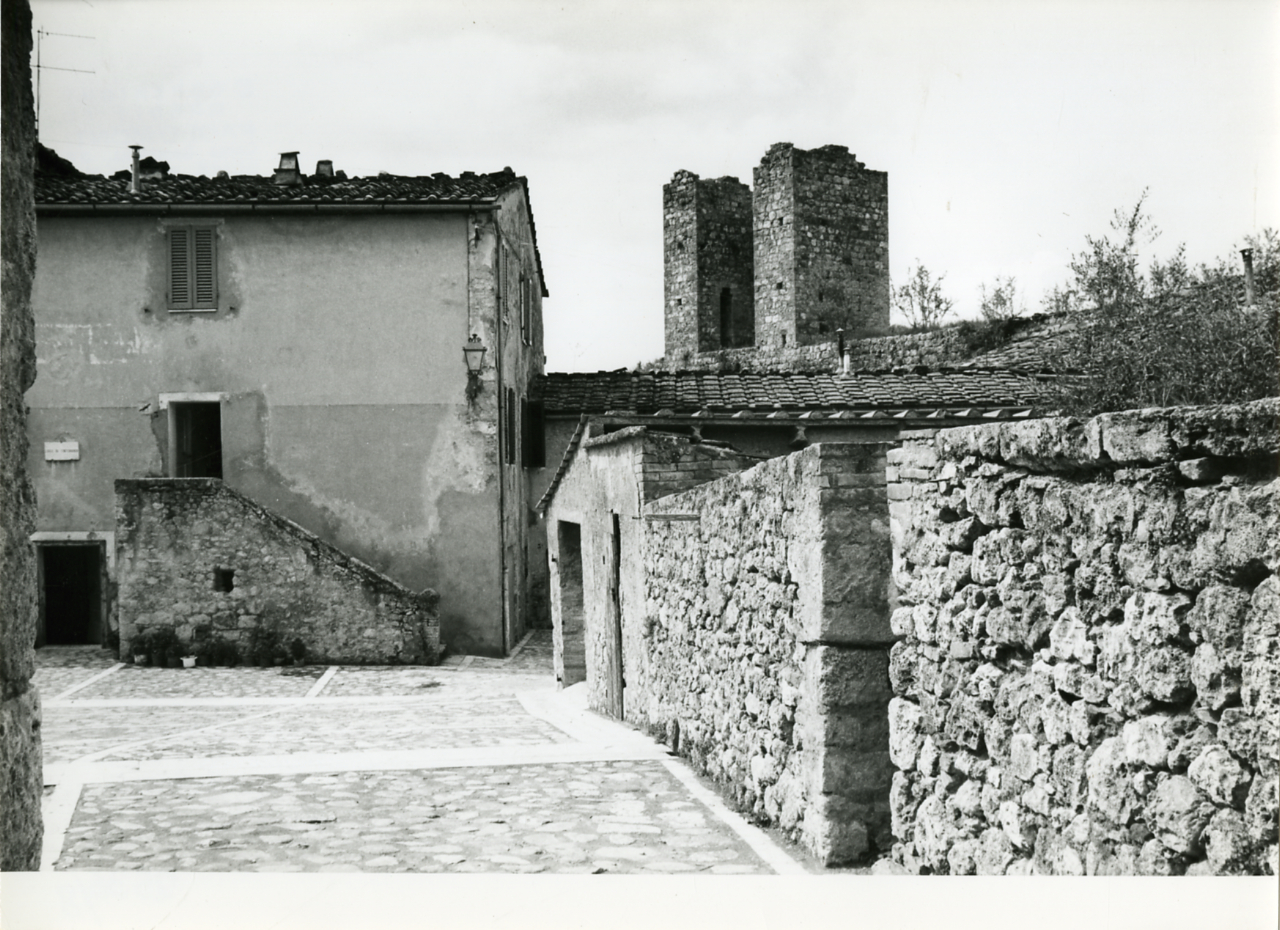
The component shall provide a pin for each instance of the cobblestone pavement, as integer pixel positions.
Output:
(478, 765)
(601, 816)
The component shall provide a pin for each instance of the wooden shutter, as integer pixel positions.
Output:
(509, 422)
(180, 268)
(205, 272)
(534, 446)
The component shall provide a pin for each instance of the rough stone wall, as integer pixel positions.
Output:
(766, 632)
(707, 249)
(1089, 672)
(171, 534)
(821, 239)
(671, 464)
(21, 779)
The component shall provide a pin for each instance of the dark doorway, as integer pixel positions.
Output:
(616, 680)
(197, 446)
(70, 595)
(573, 645)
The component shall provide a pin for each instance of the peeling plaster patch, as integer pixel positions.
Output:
(455, 463)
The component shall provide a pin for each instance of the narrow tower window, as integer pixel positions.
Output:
(726, 318)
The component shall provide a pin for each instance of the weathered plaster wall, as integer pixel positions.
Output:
(337, 344)
(174, 533)
(1087, 681)
(21, 779)
(765, 629)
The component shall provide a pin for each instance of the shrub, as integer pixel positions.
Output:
(1172, 336)
(920, 300)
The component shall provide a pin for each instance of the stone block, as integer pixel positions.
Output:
(1216, 772)
(1136, 437)
(838, 677)
(1179, 813)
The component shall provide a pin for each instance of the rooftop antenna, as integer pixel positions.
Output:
(40, 34)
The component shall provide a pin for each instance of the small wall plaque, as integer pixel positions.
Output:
(62, 451)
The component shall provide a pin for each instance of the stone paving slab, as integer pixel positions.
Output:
(72, 732)
(150, 683)
(329, 728)
(412, 681)
(615, 817)
(61, 667)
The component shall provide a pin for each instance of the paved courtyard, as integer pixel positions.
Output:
(478, 765)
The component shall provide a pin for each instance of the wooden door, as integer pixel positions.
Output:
(615, 680)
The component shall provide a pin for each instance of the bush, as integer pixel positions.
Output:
(1172, 336)
(920, 300)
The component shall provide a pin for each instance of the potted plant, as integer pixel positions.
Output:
(298, 650)
(139, 647)
(164, 648)
(189, 661)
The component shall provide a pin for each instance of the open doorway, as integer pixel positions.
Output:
(197, 439)
(572, 606)
(71, 586)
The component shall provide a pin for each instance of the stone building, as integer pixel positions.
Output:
(309, 340)
(731, 595)
(786, 264)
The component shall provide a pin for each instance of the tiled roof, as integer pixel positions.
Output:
(67, 190)
(688, 392)
(252, 189)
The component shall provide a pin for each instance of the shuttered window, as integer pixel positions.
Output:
(532, 415)
(509, 427)
(193, 268)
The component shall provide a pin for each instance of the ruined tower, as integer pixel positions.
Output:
(821, 241)
(707, 265)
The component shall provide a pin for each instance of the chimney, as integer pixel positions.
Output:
(135, 186)
(288, 175)
(843, 352)
(324, 168)
(1249, 297)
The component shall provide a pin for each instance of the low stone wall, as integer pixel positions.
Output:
(1089, 672)
(766, 631)
(180, 540)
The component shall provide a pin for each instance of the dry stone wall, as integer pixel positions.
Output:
(177, 539)
(21, 779)
(766, 635)
(1089, 669)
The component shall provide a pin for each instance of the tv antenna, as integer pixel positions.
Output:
(40, 34)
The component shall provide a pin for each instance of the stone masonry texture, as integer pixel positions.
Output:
(707, 249)
(175, 535)
(766, 641)
(821, 239)
(1089, 663)
(21, 780)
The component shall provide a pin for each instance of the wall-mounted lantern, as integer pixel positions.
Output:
(473, 351)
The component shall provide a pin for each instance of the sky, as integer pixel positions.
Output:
(1009, 130)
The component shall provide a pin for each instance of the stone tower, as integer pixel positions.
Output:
(707, 265)
(821, 240)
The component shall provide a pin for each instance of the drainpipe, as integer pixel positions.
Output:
(135, 187)
(503, 439)
(1249, 297)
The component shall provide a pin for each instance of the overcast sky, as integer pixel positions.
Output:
(1009, 130)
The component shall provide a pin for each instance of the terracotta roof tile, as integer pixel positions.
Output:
(185, 189)
(688, 392)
